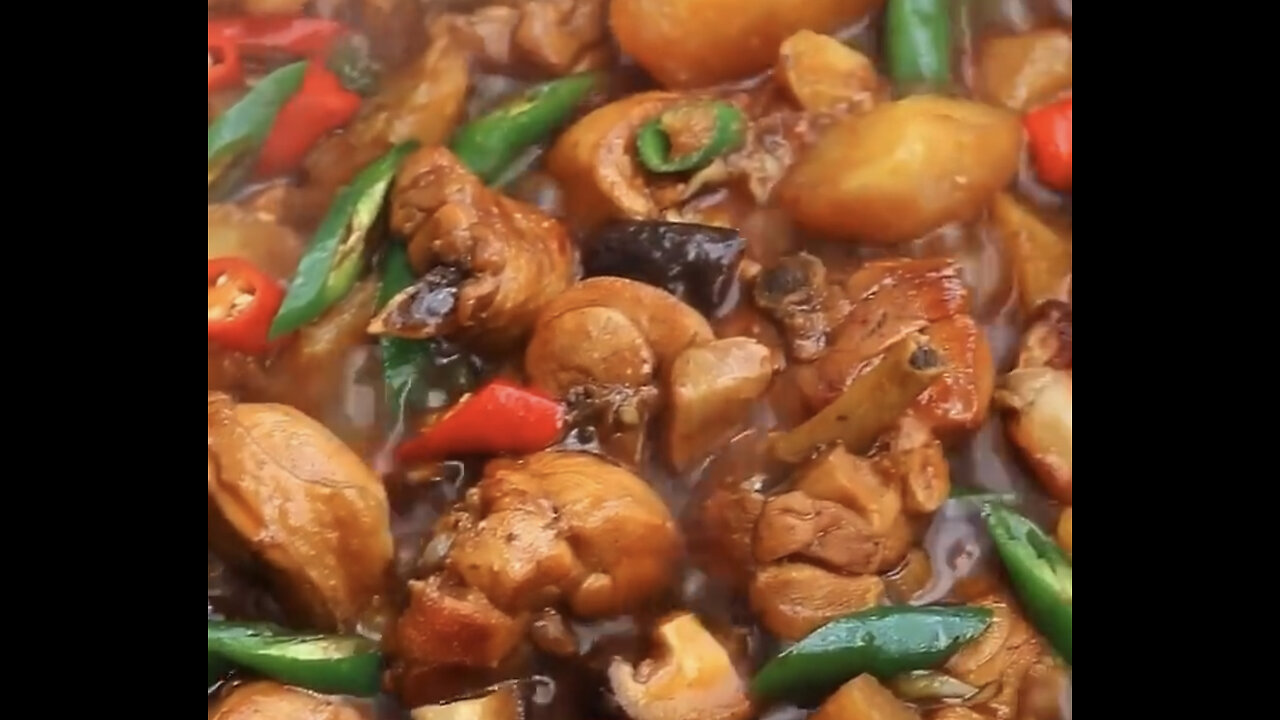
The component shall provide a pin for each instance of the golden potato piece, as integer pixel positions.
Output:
(864, 698)
(696, 43)
(825, 75)
(1019, 71)
(711, 389)
(903, 169)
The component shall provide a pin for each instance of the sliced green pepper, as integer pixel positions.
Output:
(884, 641)
(1039, 572)
(217, 668)
(919, 43)
(345, 664)
(487, 145)
(727, 128)
(335, 258)
(235, 135)
(403, 361)
(980, 496)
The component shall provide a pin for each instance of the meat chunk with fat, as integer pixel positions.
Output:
(284, 491)
(567, 525)
(555, 37)
(488, 264)
(1036, 396)
(449, 623)
(888, 300)
(792, 599)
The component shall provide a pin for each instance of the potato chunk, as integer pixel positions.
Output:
(903, 169)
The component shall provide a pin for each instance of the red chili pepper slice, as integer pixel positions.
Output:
(501, 417)
(1049, 130)
(225, 69)
(242, 302)
(320, 106)
(302, 36)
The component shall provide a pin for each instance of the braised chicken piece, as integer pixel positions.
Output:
(607, 344)
(796, 294)
(488, 264)
(1000, 661)
(887, 300)
(555, 37)
(1037, 398)
(546, 529)
(263, 700)
(795, 598)
(286, 493)
(690, 677)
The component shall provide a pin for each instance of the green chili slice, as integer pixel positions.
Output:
(487, 145)
(1039, 572)
(919, 43)
(883, 641)
(346, 664)
(721, 123)
(335, 258)
(404, 361)
(236, 135)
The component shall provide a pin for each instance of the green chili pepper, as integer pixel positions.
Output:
(403, 361)
(237, 134)
(217, 668)
(727, 132)
(919, 43)
(1039, 572)
(883, 641)
(345, 664)
(980, 496)
(487, 145)
(335, 258)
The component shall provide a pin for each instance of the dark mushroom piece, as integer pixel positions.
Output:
(696, 263)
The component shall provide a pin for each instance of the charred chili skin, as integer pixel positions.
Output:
(238, 133)
(335, 257)
(488, 145)
(654, 147)
(696, 263)
(233, 324)
(883, 641)
(343, 664)
(500, 418)
(918, 34)
(1039, 572)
